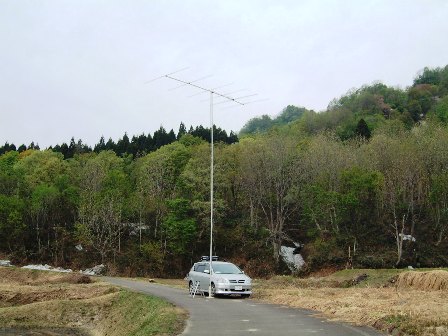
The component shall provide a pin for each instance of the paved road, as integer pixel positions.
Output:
(237, 317)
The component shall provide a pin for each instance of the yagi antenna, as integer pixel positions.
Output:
(211, 91)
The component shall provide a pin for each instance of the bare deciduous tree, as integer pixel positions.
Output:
(269, 177)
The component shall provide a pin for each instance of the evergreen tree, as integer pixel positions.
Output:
(7, 147)
(122, 145)
(182, 130)
(71, 149)
(100, 146)
(362, 129)
(110, 145)
(160, 138)
(133, 146)
(149, 144)
(64, 150)
(219, 135)
(233, 138)
(171, 136)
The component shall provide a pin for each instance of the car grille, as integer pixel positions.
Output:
(237, 281)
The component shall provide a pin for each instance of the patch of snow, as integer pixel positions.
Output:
(96, 270)
(407, 237)
(293, 259)
(5, 263)
(135, 228)
(62, 270)
(47, 268)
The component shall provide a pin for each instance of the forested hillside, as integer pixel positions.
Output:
(369, 173)
(137, 146)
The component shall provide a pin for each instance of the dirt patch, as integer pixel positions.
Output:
(426, 281)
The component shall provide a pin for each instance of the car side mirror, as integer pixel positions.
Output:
(207, 271)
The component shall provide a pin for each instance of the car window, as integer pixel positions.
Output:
(200, 268)
(226, 269)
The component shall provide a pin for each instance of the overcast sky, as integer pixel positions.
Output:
(78, 67)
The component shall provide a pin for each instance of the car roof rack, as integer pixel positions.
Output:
(207, 258)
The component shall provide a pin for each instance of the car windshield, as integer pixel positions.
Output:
(226, 269)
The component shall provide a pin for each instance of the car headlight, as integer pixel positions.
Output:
(222, 280)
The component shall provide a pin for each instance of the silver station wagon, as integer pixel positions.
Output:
(226, 279)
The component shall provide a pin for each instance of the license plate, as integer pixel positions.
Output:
(238, 287)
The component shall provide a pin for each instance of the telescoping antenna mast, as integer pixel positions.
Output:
(226, 99)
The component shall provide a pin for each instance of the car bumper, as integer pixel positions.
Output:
(232, 289)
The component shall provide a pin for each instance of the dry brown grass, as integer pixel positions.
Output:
(413, 311)
(36, 299)
(14, 276)
(68, 303)
(427, 281)
(177, 283)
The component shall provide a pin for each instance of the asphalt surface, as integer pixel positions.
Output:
(235, 316)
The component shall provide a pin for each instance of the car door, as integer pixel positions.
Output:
(199, 274)
(203, 276)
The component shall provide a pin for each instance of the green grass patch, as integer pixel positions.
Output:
(138, 314)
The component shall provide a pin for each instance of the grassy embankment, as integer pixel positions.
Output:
(72, 304)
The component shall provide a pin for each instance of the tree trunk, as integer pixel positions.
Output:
(399, 237)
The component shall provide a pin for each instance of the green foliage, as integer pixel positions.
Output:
(264, 123)
(434, 76)
(324, 250)
(440, 110)
(190, 140)
(360, 195)
(8, 176)
(179, 226)
(420, 100)
(153, 257)
(82, 234)
(38, 167)
(257, 125)
(12, 225)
